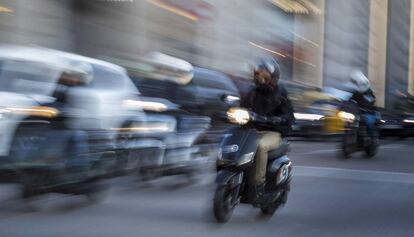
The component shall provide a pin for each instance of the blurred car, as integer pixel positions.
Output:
(28, 80)
(197, 90)
(171, 95)
(178, 151)
(206, 94)
(408, 124)
(396, 125)
(318, 120)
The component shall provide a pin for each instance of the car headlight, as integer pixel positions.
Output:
(346, 116)
(145, 105)
(147, 128)
(231, 99)
(246, 158)
(312, 117)
(39, 111)
(238, 116)
(408, 120)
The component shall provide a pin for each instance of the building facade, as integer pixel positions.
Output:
(317, 42)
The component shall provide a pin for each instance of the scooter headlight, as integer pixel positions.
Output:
(238, 116)
(346, 116)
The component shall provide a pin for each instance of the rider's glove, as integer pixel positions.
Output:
(274, 120)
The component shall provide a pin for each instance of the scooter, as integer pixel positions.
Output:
(234, 169)
(356, 137)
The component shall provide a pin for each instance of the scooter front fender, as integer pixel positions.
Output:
(229, 178)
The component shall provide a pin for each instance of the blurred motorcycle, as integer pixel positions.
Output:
(234, 169)
(49, 160)
(56, 114)
(358, 134)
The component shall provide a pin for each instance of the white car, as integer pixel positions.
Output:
(29, 77)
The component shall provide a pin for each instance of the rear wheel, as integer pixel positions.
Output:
(270, 209)
(372, 149)
(96, 192)
(223, 206)
(32, 187)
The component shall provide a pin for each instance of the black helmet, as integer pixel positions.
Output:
(271, 66)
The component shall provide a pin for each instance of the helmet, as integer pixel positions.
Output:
(272, 67)
(360, 81)
(78, 72)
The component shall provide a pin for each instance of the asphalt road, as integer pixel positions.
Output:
(329, 197)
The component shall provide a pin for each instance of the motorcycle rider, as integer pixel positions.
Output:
(269, 100)
(365, 99)
(65, 131)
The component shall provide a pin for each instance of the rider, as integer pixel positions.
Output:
(365, 99)
(269, 100)
(66, 131)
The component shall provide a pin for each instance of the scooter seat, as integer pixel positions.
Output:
(279, 152)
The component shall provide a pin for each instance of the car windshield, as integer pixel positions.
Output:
(27, 77)
(104, 78)
(211, 79)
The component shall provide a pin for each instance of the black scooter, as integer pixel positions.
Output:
(356, 137)
(234, 169)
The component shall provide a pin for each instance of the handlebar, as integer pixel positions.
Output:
(263, 120)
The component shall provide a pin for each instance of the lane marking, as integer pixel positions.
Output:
(319, 151)
(366, 175)
(392, 146)
(323, 151)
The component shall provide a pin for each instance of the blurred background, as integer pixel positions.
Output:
(175, 66)
(318, 43)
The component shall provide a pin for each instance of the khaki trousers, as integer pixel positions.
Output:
(269, 141)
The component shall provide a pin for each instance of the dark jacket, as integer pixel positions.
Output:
(271, 103)
(365, 100)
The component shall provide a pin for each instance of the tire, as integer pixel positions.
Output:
(270, 209)
(348, 140)
(223, 209)
(96, 192)
(30, 192)
(372, 149)
(144, 175)
(346, 151)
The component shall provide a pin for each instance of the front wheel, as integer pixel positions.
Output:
(348, 143)
(223, 206)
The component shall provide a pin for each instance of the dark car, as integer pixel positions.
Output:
(208, 93)
(396, 125)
